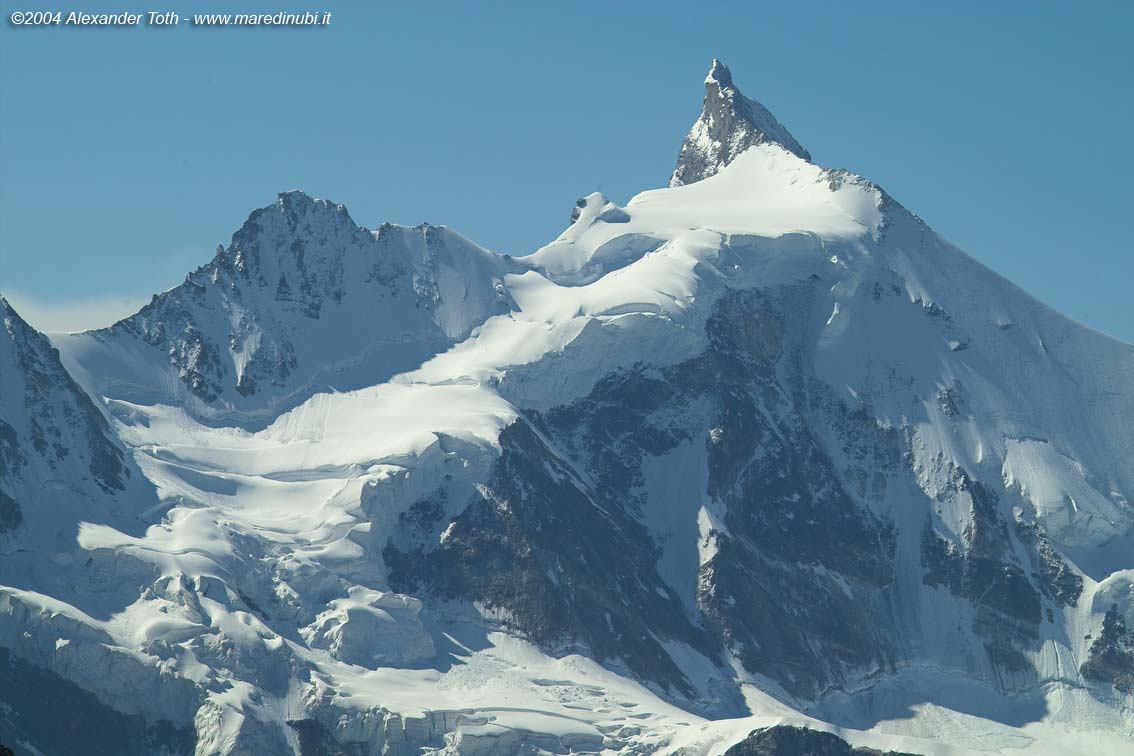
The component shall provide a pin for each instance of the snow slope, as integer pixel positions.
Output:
(756, 448)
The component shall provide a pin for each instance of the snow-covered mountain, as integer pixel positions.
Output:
(302, 301)
(757, 448)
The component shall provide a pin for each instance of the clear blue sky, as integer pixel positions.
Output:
(127, 155)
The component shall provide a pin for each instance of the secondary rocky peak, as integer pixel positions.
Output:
(729, 124)
(297, 206)
(293, 225)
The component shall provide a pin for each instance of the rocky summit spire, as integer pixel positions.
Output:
(729, 124)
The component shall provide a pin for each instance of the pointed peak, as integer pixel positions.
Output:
(12, 322)
(7, 311)
(719, 74)
(729, 124)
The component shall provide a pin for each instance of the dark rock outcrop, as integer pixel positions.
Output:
(1111, 657)
(983, 569)
(784, 740)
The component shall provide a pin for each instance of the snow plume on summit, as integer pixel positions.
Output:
(759, 448)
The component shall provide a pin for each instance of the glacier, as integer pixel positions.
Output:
(758, 448)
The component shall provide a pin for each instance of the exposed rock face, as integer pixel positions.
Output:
(729, 124)
(985, 572)
(791, 537)
(565, 560)
(1111, 658)
(10, 458)
(773, 524)
(784, 740)
(1058, 579)
(49, 429)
